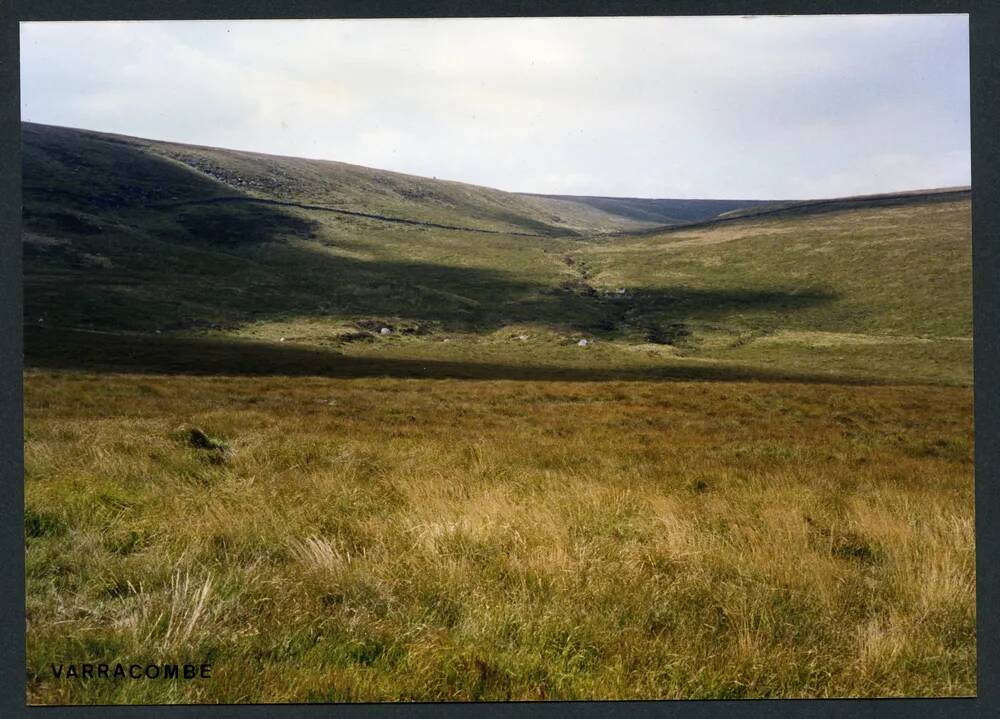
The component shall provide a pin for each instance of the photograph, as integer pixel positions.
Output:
(499, 359)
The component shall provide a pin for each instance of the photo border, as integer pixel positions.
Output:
(984, 28)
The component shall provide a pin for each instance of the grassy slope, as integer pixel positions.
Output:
(800, 293)
(892, 287)
(60, 156)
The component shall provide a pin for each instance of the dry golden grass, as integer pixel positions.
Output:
(377, 539)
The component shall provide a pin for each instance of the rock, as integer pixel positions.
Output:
(281, 340)
(522, 337)
(199, 440)
(385, 331)
(583, 343)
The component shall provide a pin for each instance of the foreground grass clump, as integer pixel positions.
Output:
(377, 539)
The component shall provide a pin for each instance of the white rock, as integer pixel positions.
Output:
(583, 343)
(385, 331)
(282, 339)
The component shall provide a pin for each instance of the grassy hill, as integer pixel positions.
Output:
(128, 235)
(117, 172)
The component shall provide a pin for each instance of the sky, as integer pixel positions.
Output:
(725, 107)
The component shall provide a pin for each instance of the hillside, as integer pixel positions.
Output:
(169, 242)
(812, 207)
(663, 212)
(146, 171)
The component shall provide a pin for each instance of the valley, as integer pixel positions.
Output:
(367, 436)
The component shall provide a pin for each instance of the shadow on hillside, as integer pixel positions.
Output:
(229, 265)
(226, 265)
(104, 352)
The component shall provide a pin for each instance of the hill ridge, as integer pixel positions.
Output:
(241, 170)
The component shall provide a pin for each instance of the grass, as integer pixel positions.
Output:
(379, 539)
(889, 271)
(877, 291)
(754, 480)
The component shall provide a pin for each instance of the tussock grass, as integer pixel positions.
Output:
(389, 539)
(169, 620)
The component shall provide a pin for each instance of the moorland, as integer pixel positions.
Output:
(351, 435)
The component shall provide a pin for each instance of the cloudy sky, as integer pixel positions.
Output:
(763, 107)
